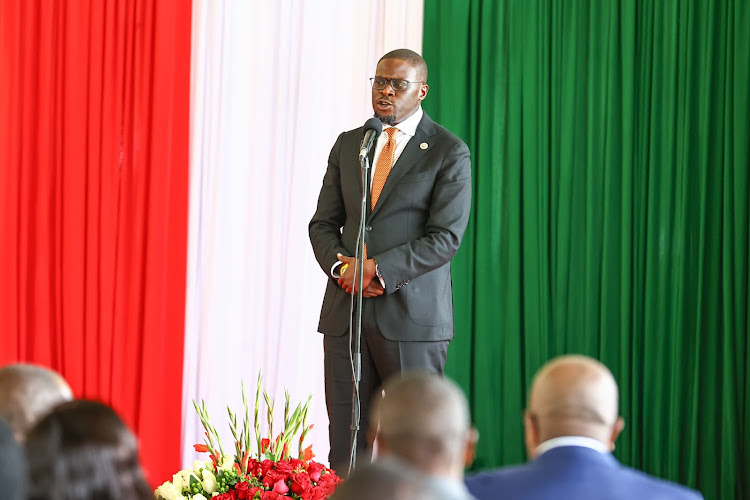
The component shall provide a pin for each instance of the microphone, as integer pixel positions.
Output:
(373, 128)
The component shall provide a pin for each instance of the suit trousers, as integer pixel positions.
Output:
(381, 359)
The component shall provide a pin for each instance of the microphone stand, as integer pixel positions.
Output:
(359, 267)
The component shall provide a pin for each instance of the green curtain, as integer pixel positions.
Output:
(610, 217)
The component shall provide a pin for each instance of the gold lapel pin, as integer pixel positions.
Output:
(423, 146)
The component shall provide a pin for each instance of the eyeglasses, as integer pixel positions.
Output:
(397, 84)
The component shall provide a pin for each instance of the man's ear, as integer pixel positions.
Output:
(470, 451)
(372, 435)
(423, 91)
(531, 433)
(616, 430)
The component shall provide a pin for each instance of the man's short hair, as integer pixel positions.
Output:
(27, 393)
(423, 419)
(415, 60)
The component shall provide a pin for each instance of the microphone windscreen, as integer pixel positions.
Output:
(373, 124)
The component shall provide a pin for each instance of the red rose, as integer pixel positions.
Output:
(229, 495)
(269, 495)
(254, 490)
(296, 463)
(265, 466)
(242, 490)
(314, 469)
(329, 478)
(284, 467)
(280, 487)
(272, 477)
(253, 467)
(319, 493)
(300, 482)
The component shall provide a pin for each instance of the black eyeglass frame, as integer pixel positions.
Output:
(391, 81)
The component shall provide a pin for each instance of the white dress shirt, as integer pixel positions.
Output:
(585, 442)
(406, 130)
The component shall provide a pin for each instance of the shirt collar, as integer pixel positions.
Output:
(409, 126)
(572, 441)
(449, 488)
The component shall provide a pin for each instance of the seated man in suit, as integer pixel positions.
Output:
(27, 393)
(424, 421)
(570, 429)
(385, 479)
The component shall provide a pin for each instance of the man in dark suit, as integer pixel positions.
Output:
(416, 217)
(423, 420)
(570, 429)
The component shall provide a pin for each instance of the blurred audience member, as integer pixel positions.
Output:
(571, 425)
(83, 451)
(12, 466)
(27, 393)
(385, 479)
(423, 419)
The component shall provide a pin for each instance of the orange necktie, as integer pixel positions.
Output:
(382, 168)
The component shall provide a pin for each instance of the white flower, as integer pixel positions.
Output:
(199, 465)
(209, 482)
(227, 463)
(181, 480)
(168, 491)
(199, 497)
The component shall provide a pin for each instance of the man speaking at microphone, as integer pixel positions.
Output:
(416, 214)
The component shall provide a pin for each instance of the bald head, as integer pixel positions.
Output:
(573, 396)
(27, 393)
(424, 420)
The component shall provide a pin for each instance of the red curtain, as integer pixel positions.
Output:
(94, 109)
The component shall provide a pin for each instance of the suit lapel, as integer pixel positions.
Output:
(408, 158)
(371, 156)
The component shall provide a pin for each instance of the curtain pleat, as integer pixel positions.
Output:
(273, 84)
(611, 212)
(94, 149)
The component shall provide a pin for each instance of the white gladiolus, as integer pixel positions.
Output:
(168, 491)
(180, 481)
(227, 463)
(209, 482)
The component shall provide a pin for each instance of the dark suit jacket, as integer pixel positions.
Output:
(413, 232)
(574, 472)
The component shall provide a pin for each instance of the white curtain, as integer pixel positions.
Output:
(273, 84)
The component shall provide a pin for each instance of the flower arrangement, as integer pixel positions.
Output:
(269, 474)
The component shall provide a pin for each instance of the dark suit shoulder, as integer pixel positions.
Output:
(573, 473)
(353, 133)
(660, 488)
(446, 135)
(487, 483)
